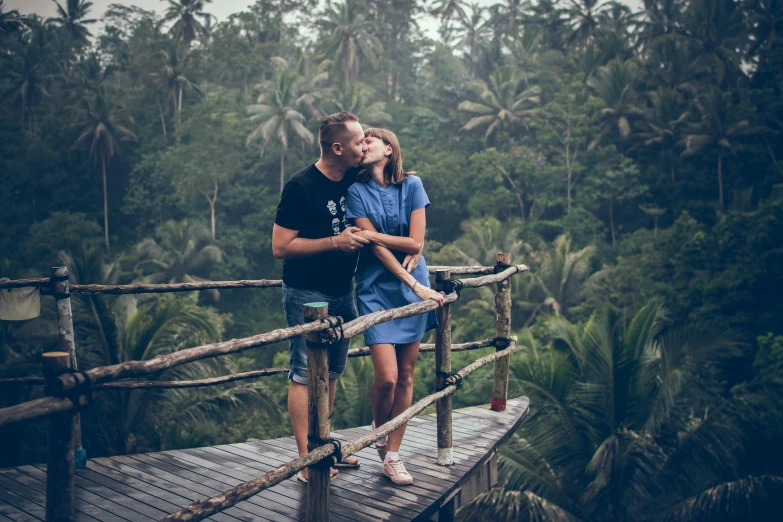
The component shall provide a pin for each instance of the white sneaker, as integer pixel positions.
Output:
(395, 470)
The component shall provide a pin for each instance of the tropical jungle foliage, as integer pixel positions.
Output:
(631, 158)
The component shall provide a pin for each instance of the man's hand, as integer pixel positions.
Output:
(410, 262)
(348, 241)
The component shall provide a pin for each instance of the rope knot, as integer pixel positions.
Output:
(449, 379)
(452, 285)
(337, 453)
(83, 386)
(501, 343)
(335, 333)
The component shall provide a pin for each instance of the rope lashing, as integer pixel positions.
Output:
(83, 387)
(337, 454)
(449, 379)
(452, 285)
(501, 343)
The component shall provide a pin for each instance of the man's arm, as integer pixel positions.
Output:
(286, 244)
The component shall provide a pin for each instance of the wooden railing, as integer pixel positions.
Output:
(70, 390)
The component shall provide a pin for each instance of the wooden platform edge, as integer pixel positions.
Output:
(449, 494)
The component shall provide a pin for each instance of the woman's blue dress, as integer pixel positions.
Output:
(389, 209)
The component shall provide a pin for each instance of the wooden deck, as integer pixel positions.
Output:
(150, 486)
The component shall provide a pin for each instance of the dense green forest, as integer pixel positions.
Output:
(632, 159)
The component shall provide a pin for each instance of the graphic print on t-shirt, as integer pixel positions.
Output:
(332, 207)
(336, 226)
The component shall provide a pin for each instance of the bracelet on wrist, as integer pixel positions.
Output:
(331, 243)
(414, 285)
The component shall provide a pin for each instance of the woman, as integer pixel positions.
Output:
(388, 204)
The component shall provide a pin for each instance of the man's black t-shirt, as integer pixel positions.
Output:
(315, 206)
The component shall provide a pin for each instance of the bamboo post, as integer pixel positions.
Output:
(62, 295)
(442, 367)
(502, 329)
(61, 440)
(318, 419)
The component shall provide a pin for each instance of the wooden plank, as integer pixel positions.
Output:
(33, 501)
(162, 484)
(18, 507)
(92, 497)
(208, 486)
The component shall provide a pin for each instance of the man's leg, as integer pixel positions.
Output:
(297, 410)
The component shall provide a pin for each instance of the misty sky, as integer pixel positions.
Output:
(220, 8)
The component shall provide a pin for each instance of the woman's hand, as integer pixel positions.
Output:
(410, 262)
(425, 293)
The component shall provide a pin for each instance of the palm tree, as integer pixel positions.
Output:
(30, 78)
(186, 14)
(719, 127)
(505, 105)
(473, 33)
(630, 425)
(277, 112)
(171, 80)
(72, 18)
(356, 99)
(614, 84)
(663, 124)
(100, 128)
(10, 21)
(350, 38)
(556, 284)
(181, 254)
(585, 16)
(718, 37)
(448, 11)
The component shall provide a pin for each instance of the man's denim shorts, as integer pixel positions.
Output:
(294, 300)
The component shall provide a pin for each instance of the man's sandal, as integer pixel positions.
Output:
(348, 462)
(302, 478)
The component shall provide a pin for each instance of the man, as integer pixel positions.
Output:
(320, 252)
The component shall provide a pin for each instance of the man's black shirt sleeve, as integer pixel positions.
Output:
(290, 210)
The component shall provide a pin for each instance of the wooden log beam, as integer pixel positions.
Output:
(163, 362)
(61, 291)
(143, 288)
(36, 408)
(442, 367)
(502, 329)
(39, 282)
(463, 270)
(61, 444)
(363, 323)
(494, 278)
(318, 425)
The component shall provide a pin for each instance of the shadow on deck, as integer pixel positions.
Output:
(150, 486)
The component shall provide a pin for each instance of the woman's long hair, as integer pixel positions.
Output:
(393, 172)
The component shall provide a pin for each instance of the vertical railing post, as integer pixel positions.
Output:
(442, 368)
(318, 418)
(502, 329)
(61, 440)
(62, 295)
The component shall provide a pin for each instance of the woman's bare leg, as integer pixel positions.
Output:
(403, 391)
(384, 359)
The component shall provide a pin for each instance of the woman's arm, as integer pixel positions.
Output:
(392, 265)
(409, 245)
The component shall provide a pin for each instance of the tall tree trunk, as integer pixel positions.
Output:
(162, 117)
(720, 178)
(212, 201)
(179, 113)
(611, 222)
(282, 168)
(105, 207)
